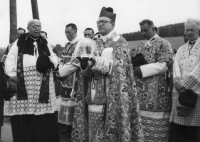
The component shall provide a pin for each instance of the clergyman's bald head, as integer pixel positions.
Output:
(33, 21)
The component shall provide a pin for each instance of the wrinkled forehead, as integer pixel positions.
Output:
(34, 22)
(191, 25)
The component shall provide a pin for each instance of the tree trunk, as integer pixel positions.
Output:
(35, 9)
(13, 20)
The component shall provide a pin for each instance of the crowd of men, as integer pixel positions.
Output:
(121, 95)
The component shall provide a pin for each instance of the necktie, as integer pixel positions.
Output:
(35, 48)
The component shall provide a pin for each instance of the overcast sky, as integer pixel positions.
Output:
(56, 14)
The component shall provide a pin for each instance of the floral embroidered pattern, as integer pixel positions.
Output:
(123, 122)
(153, 91)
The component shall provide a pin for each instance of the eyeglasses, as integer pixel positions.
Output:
(103, 22)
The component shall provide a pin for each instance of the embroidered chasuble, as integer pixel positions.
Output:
(115, 96)
(153, 90)
(68, 81)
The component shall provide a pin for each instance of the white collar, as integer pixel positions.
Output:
(113, 35)
(149, 41)
(75, 40)
(195, 42)
(155, 36)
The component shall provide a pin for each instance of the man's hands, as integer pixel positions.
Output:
(12, 84)
(137, 72)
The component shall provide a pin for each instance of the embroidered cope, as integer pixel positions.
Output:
(112, 102)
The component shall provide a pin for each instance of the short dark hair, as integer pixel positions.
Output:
(72, 25)
(43, 32)
(146, 21)
(21, 29)
(89, 29)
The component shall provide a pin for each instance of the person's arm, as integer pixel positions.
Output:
(11, 61)
(104, 63)
(53, 57)
(153, 69)
(177, 77)
(68, 68)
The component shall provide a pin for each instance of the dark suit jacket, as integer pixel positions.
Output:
(3, 91)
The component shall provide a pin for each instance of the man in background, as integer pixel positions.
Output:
(20, 31)
(185, 116)
(44, 35)
(152, 87)
(89, 33)
(67, 73)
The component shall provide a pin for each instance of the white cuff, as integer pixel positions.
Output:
(153, 69)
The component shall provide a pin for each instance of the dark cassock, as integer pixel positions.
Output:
(32, 108)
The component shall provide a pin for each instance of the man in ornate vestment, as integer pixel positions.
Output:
(153, 89)
(32, 108)
(107, 108)
(68, 71)
(185, 117)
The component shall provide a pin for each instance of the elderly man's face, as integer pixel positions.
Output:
(105, 27)
(34, 29)
(147, 31)
(191, 31)
(88, 34)
(20, 32)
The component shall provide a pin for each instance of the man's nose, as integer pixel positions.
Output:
(189, 32)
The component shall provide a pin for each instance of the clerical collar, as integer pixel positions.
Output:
(151, 39)
(33, 38)
(75, 40)
(112, 35)
(192, 42)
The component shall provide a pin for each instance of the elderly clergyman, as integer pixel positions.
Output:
(32, 108)
(108, 110)
(185, 116)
